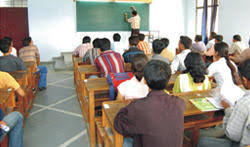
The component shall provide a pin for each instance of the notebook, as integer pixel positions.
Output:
(203, 104)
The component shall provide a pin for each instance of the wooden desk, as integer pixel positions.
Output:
(190, 121)
(93, 86)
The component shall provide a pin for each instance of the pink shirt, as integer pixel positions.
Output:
(210, 51)
(82, 49)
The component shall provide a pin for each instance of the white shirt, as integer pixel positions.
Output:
(178, 62)
(224, 80)
(118, 47)
(13, 52)
(135, 22)
(133, 89)
(236, 47)
(210, 43)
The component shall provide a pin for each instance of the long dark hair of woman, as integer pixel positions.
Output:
(195, 66)
(138, 63)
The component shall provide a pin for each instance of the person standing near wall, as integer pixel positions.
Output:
(135, 21)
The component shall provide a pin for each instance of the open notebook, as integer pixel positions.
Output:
(207, 104)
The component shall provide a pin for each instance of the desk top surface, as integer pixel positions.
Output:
(97, 84)
(112, 108)
(87, 69)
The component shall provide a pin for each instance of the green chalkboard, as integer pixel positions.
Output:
(108, 16)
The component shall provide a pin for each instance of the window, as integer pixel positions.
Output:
(13, 3)
(199, 13)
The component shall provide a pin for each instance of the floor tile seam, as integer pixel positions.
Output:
(73, 139)
(61, 80)
(63, 100)
(59, 110)
(59, 86)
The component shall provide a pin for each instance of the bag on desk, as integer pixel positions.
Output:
(115, 79)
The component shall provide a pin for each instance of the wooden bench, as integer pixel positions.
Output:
(94, 87)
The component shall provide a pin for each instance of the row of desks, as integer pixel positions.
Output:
(88, 90)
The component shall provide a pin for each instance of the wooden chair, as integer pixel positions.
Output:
(33, 77)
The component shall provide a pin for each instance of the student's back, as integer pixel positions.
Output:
(8, 62)
(133, 50)
(158, 119)
(109, 61)
(195, 77)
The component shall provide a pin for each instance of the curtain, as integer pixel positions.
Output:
(204, 21)
(213, 15)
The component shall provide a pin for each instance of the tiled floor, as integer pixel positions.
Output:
(56, 120)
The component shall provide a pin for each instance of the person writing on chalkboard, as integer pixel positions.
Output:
(134, 21)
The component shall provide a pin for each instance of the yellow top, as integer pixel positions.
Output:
(167, 54)
(8, 82)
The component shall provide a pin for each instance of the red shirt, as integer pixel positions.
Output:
(110, 62)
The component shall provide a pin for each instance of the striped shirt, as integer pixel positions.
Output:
(128, 55)
(110, 62)
(29, 53)
(236, 122)
(82, 49)
(144, 46)
(91, 55)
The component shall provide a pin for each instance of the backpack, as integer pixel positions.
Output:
(115, 79)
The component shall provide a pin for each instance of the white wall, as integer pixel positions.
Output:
(52, 24)
(234, 19)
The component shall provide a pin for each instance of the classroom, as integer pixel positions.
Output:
(124, 73)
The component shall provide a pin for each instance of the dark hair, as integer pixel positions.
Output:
(196, 67)
(104, 44)
(158, 46)
(198, 38)
(186, 41)
(222, 49)
(219, 38)
(116, 37)
(213, 34)
(86, 39)
(26, 41)
(141, 37)
(138, 63)
(8, 38)
(4, 46)
(244, 69)
(133, 40)
(134, 13)
(165, 41)
(96, 43)
(237, 37)
(157, 74)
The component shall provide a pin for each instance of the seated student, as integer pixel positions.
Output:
(14, 121)
(243, 56)
(83, 48)
(194, 78)
(143, 45)
(225, 73)
(156, 120)
(91, 54)
(185, 44)
(237, 47)
(117, 46)
(8, 82)
(30, 52)
(134, 88)
(210, 52)
(166, 53)
(236, 120)
(158, 47)
(109, 61)
(133, 50)
(13, 50)
(199, 46)
(211, 41)
(8, 62)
